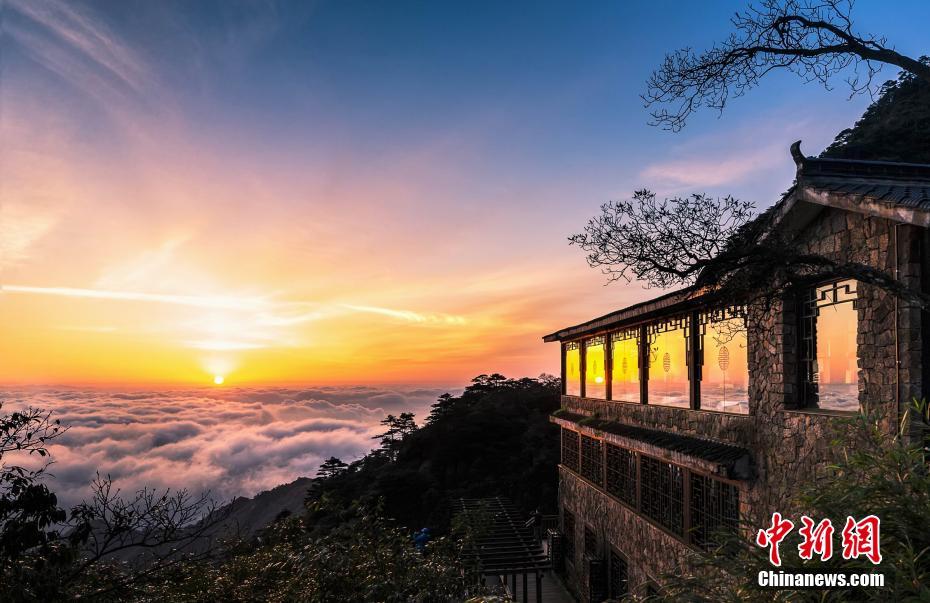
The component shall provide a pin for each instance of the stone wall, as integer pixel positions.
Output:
(651, 552)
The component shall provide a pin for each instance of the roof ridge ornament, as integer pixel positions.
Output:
(797, 155)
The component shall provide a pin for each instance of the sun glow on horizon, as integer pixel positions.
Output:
(218, 379)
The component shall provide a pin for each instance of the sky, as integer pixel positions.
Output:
(348, 193)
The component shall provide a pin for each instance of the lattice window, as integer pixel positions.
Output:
(724, 360)
(714, 510)
(625, 366)
(568, 529)
(621, 474)
(595, 372)
(619, 575)
(570, 449)
(669, 353)
(828, 350)
(572, 368)
(662, 493)
(590, 542)
(592, 465)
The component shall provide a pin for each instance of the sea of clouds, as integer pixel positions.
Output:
(230, 442)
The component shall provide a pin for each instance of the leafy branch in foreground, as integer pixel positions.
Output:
(104, 547)
(877, 473)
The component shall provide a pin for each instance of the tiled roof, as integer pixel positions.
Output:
(902, 184)
(737, 460)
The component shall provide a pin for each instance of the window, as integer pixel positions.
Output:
(668, 363)
(572, 369)
(570, 449)
(714, 510)
(625, 365)
(592, 464)
(662, 493)
(621, 473)
(619, 575)
(829, 356)
(725, 368)
(595, 370)
(590, 542)
(568, 528)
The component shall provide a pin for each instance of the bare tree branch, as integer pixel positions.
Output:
(811, 38)
(718, 247)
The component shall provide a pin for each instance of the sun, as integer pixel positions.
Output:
(218, 379)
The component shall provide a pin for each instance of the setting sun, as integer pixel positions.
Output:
(218, 379)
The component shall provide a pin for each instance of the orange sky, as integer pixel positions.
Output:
(301, 195)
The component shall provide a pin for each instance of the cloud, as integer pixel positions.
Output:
(218, 302)
(233, 442)
(410, 316)
(80, 48)
(703, 171)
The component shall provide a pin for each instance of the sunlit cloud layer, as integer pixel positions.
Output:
(231, 442)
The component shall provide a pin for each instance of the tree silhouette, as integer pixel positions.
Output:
(814, 39)
(331, 467)
(398, 428)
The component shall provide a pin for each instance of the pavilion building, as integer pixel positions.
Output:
(678, 419)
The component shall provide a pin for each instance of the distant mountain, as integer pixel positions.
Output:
(246, 516)
(242, 519)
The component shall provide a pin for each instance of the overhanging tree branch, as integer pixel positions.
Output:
(811, 38)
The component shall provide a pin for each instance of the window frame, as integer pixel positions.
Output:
(808, 371)
(622, 588)
(671, 324)
(568, 530)
(707, 316)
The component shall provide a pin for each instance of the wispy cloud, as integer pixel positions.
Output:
(219, 302)
(410, 316)
(266, 312)
(713, 171)
(80, 36)
(224, 346)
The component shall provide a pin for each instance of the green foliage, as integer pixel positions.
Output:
(896, 127)
(493, 440)
(879, 473)
(365, 559)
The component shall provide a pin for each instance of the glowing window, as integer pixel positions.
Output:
(725, 369)
(829, 355)
(572, 369)
(668, 363)
(595, 370)
(625, 373)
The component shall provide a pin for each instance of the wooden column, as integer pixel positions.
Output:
(608, 367)
(643, 365)
(564, 384)
(583, 357)
(694, 359)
